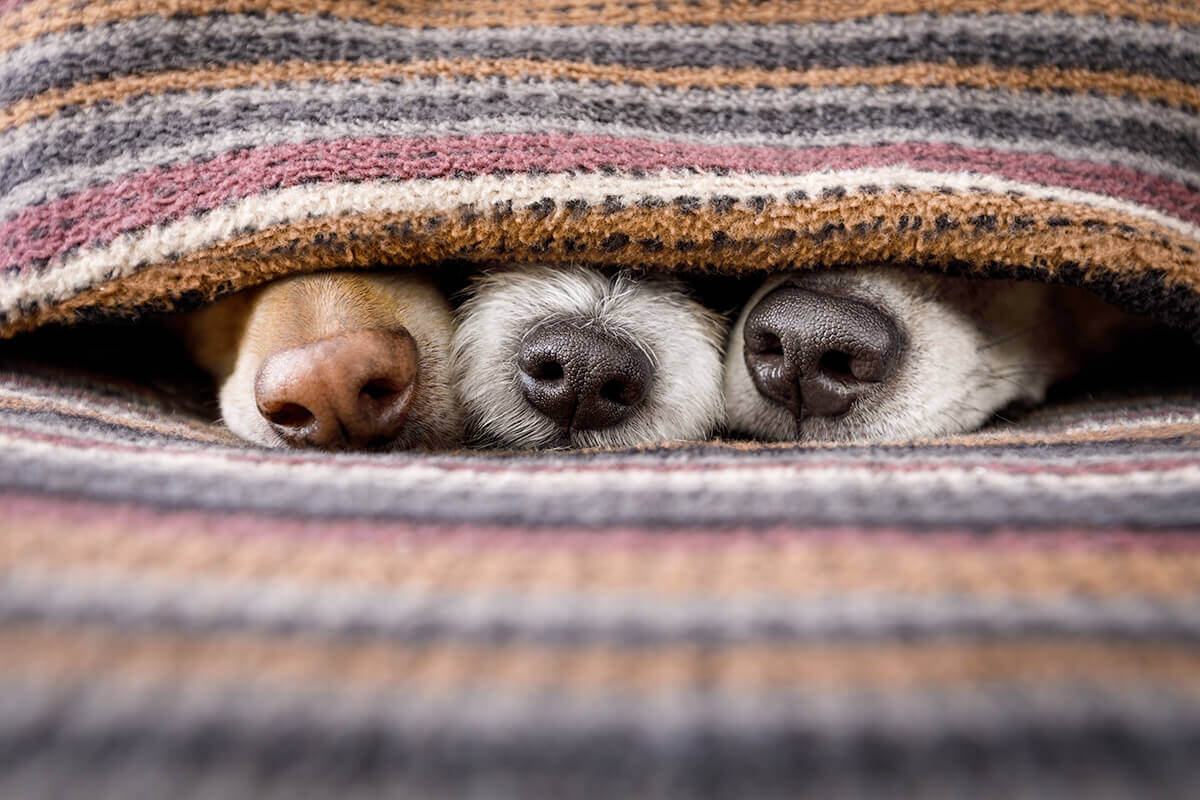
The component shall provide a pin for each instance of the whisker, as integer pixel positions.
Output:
(1013, 336)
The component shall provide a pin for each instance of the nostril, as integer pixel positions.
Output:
(379, 389)
(816, 353)
(351, 389)
(622, 393)
(580, 376)
(837, 364)
(544, 370)
(290, 415)
(766, 343)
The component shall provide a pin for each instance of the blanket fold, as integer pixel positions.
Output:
(1015, 612)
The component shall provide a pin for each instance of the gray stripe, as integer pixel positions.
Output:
(34, 160)
(980, 710)
(136, 601)
(155, 43)
(658, 105)
(958, 500)
(264, 741)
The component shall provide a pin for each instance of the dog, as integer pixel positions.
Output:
(571, 357)
(332, 360)
(888, 353)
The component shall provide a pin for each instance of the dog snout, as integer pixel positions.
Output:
(581, 377)
(815, 353)
(350, 390)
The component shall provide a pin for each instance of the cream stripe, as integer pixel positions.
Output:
(132, 251)
(421, 480)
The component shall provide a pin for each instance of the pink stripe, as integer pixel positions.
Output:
(96, 216)
(32, 509)
(11, 5)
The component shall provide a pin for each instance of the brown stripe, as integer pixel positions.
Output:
(198, 546)
(41, 17)
(977, 229)
(67, 655)
(1176, 93)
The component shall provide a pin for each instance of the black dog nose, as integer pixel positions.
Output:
(582, 377)
(814, 353)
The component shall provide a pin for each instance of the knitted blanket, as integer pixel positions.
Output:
(1010, 613)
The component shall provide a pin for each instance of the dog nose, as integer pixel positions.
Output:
(583, 378)
(815, 353)
(348, 390)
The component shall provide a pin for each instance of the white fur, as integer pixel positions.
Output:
(680, 337)
(973, 347)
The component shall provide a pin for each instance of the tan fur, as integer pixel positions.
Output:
(232, 337)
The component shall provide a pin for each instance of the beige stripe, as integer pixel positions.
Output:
(67, 655)
(50, 16)
(1176, 93)
(191, 546)
(752, 244)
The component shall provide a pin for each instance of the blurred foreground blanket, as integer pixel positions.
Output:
(1012, 613)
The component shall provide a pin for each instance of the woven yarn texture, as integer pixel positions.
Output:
(158, 151)
(1014, 613)
(1011, 613)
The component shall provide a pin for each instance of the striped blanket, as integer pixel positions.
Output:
(1011, 613)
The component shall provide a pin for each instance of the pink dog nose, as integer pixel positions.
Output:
(349, 390)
